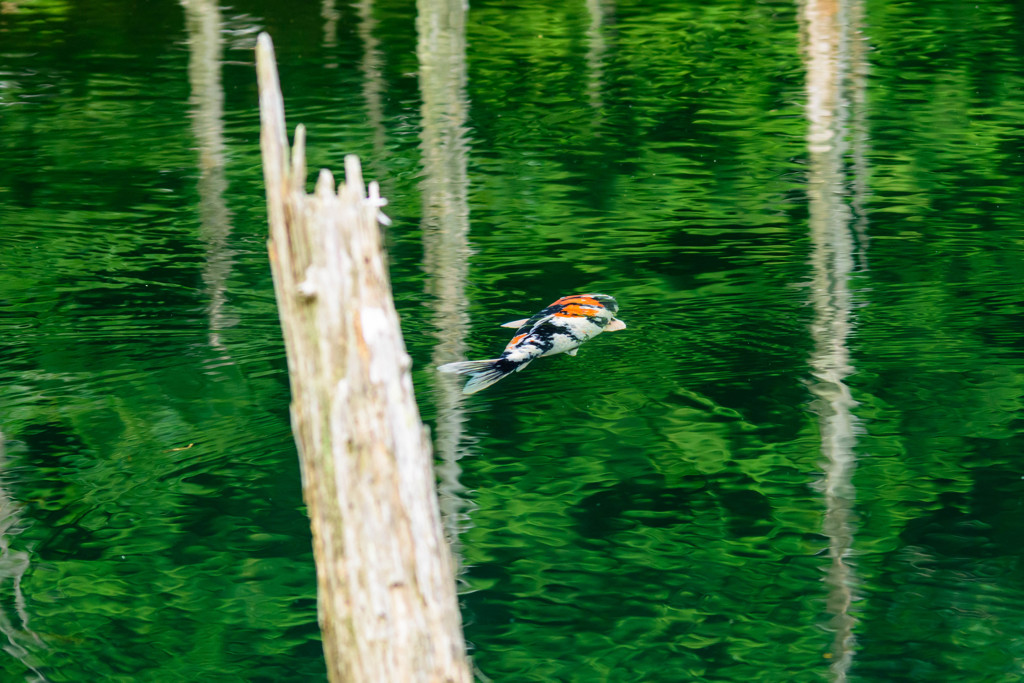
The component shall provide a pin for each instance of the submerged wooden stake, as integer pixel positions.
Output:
(386, 588)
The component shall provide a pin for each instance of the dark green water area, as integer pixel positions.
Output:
(802, 461)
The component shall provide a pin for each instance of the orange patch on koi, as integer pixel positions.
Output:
(575, 311)
(578, 299)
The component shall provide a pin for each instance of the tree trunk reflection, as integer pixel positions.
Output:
(834, 56)
(441, 26)
(203, 21)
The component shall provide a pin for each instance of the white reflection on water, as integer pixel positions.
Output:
(597, 10)
(205, 39)
(441, 27)
(331, 16)
(834, 53)
(371, 67)
(22, 641)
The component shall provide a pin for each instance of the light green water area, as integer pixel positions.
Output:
(802, 461)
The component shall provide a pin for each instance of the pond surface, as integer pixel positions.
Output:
(802, 460)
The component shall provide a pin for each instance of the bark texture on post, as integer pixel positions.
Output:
(386, 588)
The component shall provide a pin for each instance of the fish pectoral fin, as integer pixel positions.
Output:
(572, 352)
(615, 325)
(516, 324)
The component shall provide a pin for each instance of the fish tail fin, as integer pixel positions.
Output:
(483, 373)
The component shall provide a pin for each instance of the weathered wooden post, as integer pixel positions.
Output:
(387, 605)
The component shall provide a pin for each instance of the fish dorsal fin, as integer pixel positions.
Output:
(530, 323)
(538, 320)
(615, 325)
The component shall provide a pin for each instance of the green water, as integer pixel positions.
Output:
(800, 462)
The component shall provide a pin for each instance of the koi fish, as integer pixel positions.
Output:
(559, 328)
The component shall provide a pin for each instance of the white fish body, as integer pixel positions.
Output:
(559, 328)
